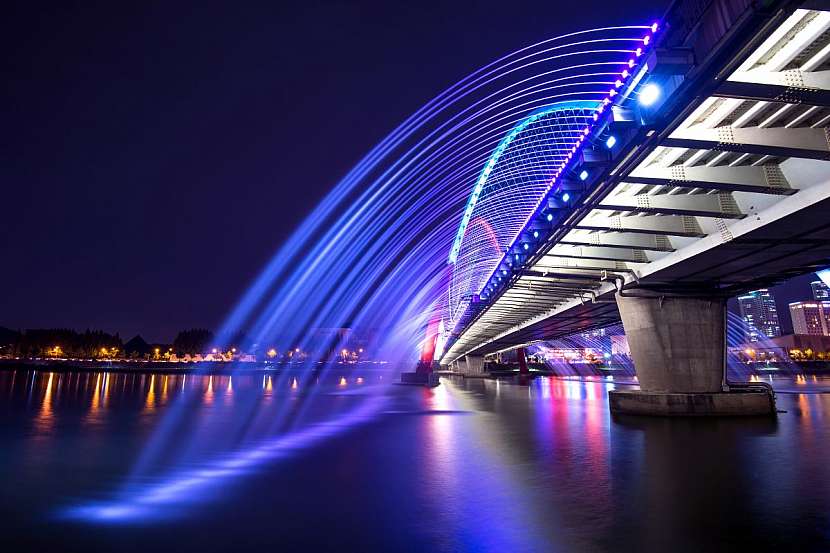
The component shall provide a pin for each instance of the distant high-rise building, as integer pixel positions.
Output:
(820, 290)
(760, 315)
(597, 333)
(811, 317)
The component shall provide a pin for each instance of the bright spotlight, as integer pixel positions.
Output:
(566, 197)
(611, 141)
(583, 175)
(649, 94)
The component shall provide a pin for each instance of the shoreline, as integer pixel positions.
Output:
(814, 368)
(166, 367)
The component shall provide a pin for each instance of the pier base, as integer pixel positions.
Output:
(636, 402)
(429, 380)
(678, 346)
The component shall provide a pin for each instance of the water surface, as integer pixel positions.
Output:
(344, 461)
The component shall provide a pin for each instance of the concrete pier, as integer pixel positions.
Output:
(678, 346)
(523, 370)
(473, 365)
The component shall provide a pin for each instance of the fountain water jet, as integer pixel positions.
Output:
(373, 254)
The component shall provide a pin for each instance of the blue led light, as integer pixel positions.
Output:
(649, 94)
(624, 82)
(489, 167)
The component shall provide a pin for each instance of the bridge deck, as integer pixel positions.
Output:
(727, 187)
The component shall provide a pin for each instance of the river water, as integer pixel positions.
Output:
(343, 461)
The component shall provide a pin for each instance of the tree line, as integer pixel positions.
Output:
(65, 342)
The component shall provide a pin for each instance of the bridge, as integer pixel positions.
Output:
(702, 173)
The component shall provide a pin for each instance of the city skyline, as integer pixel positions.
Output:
(795, 289)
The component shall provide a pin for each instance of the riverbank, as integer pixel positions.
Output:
(166, 367)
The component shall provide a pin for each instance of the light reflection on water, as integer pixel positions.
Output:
(472, 465)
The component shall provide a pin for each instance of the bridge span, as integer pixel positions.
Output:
(704, 173)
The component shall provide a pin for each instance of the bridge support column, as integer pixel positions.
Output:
(520, 353)
(678, 346)
(473, 365)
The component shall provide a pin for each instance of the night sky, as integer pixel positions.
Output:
(156, 154)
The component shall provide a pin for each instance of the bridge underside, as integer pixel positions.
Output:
(722, 187)
(794, 245)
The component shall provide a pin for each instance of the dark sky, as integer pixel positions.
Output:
(156, 154)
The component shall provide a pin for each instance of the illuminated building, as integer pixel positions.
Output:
(820, 290)
(760, 314)
(811, 317)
